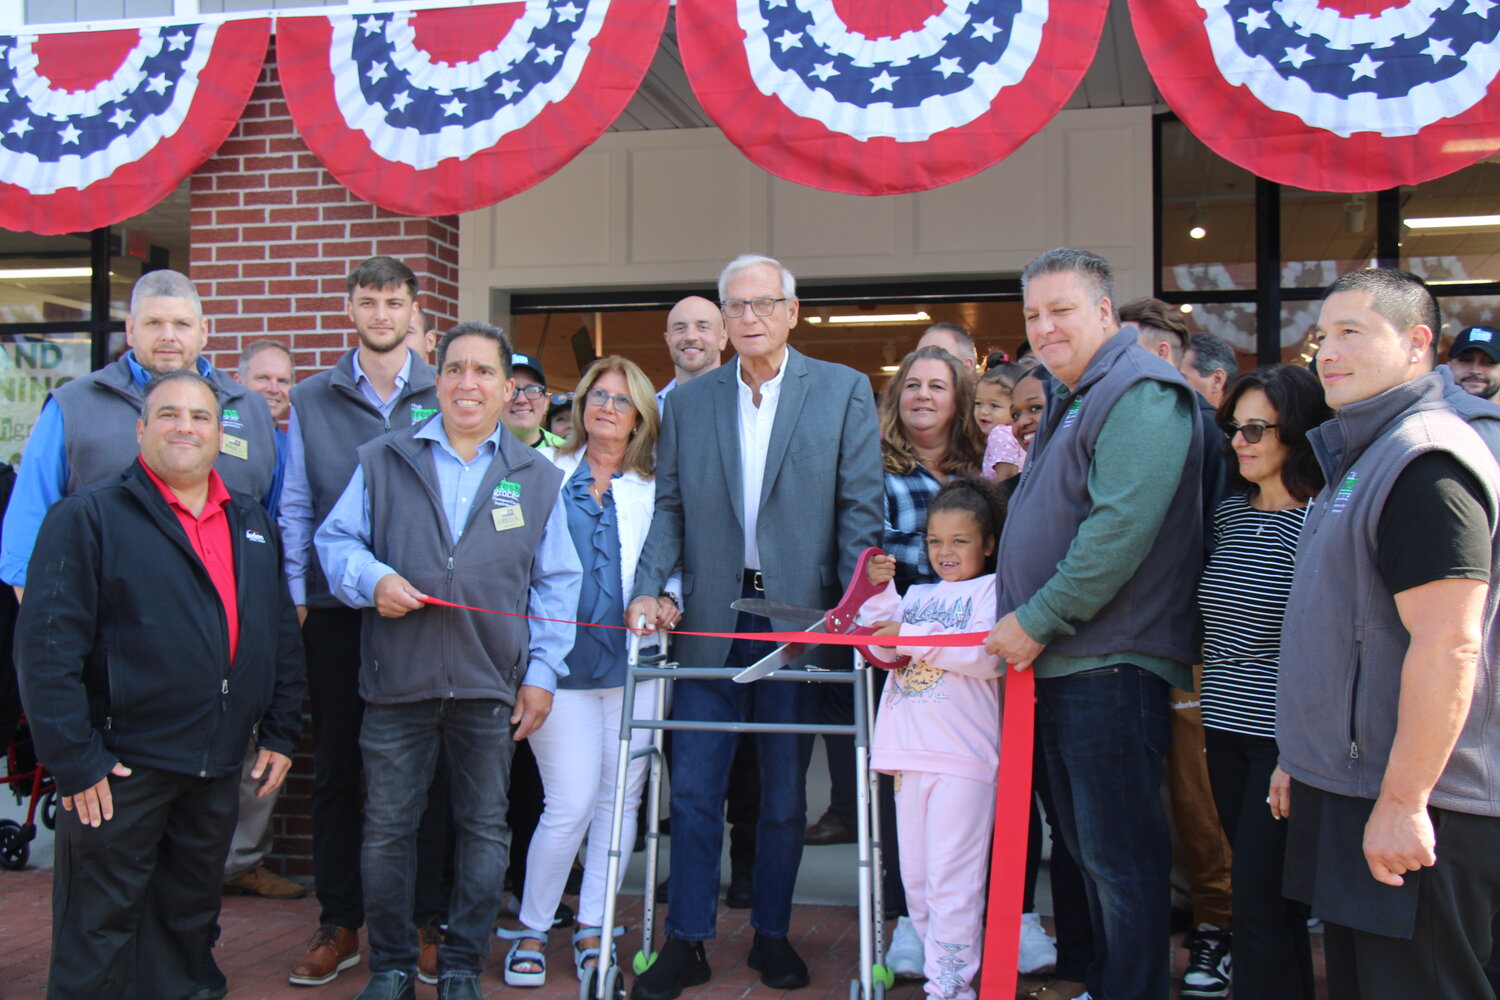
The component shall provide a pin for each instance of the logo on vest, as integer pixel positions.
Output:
(232, 421)
(1071, 414)
(420, 413)
(1344, 493)
(507, 494)
(252, 535)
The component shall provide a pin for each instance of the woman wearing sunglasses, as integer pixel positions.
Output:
(1266, 414)
(609, 464)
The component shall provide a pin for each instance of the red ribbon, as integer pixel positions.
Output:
(1002, 940)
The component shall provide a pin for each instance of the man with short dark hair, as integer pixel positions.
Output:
(159, 634)
(1098, 567)
(84, 432)
(458, 509)
(1385, 721)
(1209, 365)
(1160, 328)
(375, 387)
(954, 339)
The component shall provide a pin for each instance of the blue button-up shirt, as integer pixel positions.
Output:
(42, 479)
(295, 515)
(343, 544)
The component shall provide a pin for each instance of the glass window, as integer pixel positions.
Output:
(1207, 216)
(1463, 311)
(31, 366)
(1233, 322)
(44, 279)
(1324, 235)
(1299, 324)
(1444, 237)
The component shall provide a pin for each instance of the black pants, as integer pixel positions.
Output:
(331, 638)
(526, 801)
(742, 805)
(435, 841)
(1272, 955)
(1457, 900)
(134, 899)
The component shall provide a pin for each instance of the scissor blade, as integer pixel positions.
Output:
(794, 613)
(782, 656)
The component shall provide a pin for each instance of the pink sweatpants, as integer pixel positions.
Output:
(944, 824)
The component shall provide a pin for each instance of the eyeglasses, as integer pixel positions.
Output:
(1252, 433)
(600, 398)
(763, 306)
(531, 392)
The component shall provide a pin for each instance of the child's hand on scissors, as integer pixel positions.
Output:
(880, 570)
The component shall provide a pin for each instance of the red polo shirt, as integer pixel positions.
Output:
(209, 534)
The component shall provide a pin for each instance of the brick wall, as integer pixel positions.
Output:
(273, 238)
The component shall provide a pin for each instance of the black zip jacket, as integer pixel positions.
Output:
(123, 648)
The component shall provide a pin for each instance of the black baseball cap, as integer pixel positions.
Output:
(530, 361)
(1483, 338)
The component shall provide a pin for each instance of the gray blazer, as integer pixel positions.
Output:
(821, 500)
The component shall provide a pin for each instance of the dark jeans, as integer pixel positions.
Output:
(1272, 955)
(331, 639)
(1070, 901)
(400, 745)
(133, 900)
(700, 777)
(435, 851)
(1105, 733)
(1457, 900)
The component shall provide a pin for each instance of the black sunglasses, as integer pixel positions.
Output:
(1252, 433)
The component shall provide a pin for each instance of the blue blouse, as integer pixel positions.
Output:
(598, 656)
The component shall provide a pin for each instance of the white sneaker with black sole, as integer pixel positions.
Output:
(904, 957)
(1209, 966)
(1038, 952)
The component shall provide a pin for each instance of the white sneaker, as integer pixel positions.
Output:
(1038, 950)
(904, 956)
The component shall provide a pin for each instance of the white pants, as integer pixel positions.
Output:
(944, 824)
(577, 750)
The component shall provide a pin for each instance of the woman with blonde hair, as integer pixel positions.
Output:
(608, 489)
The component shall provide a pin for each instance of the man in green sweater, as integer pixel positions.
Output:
(1099, 600)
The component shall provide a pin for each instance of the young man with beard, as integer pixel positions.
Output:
(378, 386)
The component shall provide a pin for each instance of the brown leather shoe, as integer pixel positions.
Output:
(428, 939)
(332, 950)
(829, 829)
(261, 881)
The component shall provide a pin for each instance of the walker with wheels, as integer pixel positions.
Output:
(605, 981)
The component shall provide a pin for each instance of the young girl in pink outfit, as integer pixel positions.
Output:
(938, 730)
(1003, 454)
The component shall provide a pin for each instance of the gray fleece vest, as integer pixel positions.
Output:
(442, 652)
(1342, 641)
(1154, 613)
(335, 418)
(100, 411)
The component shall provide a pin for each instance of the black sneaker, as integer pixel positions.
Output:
(1208, 972)
(680, 964)
(779, 965)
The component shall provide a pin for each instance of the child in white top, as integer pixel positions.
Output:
(938, 730)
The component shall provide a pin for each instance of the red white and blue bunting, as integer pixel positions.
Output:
(1352, 96)
(97, 127)
(449, 110)
(884, 96)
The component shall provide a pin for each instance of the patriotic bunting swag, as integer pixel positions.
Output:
(443, 111)
(98, 126)
(1353, 96)
(884, 96)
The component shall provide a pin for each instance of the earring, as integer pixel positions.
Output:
(1413, 359)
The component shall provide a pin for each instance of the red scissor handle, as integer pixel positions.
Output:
(842, 618)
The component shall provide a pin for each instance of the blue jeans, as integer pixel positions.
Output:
(1105, 733)
(700, 778)
(400, 746)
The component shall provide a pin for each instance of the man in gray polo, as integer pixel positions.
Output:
(1100, 600)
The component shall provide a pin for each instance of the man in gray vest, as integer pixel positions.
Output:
(377, 386)
(1385, 701)
(86, 429)
(1099, 599)
(458, 509)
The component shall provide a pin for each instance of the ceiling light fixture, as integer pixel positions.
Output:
(30, 273)
(1196, 228)
(875, 319)
(1453, 221)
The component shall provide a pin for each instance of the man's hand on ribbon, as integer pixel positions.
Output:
(1009, 641)
(394, 597)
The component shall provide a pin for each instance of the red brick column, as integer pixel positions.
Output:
(274, 236)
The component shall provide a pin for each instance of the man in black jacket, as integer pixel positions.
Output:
(158, 634)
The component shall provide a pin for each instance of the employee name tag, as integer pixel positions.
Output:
(506, 518)
(236, 446)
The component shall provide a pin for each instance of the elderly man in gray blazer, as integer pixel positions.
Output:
(768, 485)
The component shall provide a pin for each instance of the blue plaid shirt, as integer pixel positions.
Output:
(906, 500)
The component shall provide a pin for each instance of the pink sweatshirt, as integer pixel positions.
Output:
(941, 713)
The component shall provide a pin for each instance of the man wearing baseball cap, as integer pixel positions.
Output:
(526, 414)
(1475, 361)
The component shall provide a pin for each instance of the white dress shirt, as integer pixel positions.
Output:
(755, 438)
